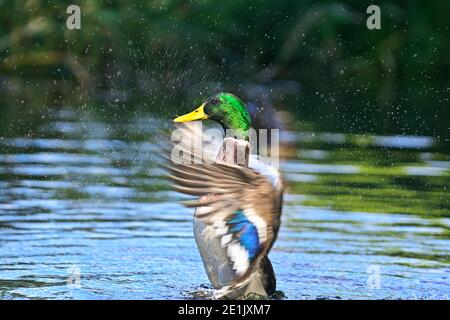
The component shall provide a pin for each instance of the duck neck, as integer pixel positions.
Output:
(235, 124)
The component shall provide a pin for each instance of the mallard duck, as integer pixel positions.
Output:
(238, 211)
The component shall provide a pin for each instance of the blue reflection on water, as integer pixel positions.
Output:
(96, 203)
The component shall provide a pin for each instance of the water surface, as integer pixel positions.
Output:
(86, 214)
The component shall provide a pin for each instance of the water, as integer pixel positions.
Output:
(85, 214)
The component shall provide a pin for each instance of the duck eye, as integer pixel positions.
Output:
(215, 101)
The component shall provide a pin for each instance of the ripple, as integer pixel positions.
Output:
(87, 195)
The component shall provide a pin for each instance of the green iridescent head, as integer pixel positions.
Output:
(224, 108)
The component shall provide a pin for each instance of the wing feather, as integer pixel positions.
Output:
(225, 193)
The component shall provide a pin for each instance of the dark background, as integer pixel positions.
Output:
(316, 59)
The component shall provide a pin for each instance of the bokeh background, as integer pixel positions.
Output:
(318, 59)
(365, 115)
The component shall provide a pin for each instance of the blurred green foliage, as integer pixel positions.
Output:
(350, 79)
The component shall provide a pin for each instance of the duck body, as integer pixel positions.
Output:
(237, 215)
(216, 260)
(219, 268)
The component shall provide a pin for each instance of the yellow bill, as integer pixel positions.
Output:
(197, 114)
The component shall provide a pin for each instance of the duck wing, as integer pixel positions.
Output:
(241, 204)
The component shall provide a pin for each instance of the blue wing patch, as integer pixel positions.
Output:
(245, 232)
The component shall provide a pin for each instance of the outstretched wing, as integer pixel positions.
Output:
(239, 203)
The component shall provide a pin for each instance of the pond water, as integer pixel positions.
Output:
(86, 214)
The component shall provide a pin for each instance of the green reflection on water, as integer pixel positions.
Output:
(71, 177)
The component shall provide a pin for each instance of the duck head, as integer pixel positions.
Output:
(224, 108)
